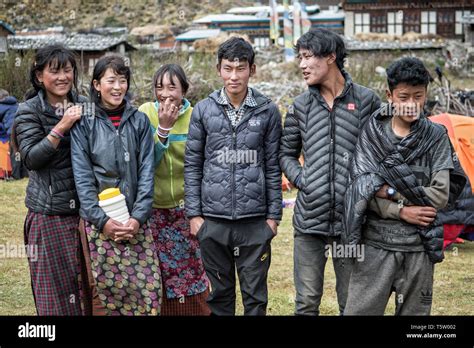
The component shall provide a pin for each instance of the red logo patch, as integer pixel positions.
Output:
(351, 106)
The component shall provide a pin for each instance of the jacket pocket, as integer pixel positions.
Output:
(199, 233)
(269, 230)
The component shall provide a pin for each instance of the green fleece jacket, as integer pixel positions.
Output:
(169, 157)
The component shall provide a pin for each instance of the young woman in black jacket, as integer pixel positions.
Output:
(41, 134)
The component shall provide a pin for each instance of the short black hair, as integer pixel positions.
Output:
(236, 48)
(409, 70)
(117, 64)
(322, 42)
(54, 56)
(173, 70)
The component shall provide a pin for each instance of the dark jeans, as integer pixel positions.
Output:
(310, 256)
(243, 244)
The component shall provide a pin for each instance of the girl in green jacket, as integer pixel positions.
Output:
(184, 280)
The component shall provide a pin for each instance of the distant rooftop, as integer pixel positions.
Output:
(225, 17)
(7, 27)
(267, 9)
(264, 17)
(197, 34)
(78, 42)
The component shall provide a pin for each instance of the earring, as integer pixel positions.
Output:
(98, 94)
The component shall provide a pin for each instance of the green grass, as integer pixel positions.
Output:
(453, 285)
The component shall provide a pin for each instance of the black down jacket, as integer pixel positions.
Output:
(222, 186)
(105, 157)
(51, 189)
(377, 161)
(462, 211)
(326, 138)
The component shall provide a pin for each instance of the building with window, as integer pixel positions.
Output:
(254, 22)
(88, 47)
(439, 17)
(5, 30)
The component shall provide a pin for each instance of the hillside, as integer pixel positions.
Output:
(85, 14)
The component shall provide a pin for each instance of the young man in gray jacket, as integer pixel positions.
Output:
(233, 182)
(322, 125)
(411, 159)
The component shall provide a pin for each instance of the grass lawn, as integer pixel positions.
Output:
(453, 286)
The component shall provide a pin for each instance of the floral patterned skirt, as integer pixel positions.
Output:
(179, 253)
(127, 273)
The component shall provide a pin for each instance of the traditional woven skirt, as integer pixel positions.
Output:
(126, 273)
(186, 305)
(55, 267)
(185, 284)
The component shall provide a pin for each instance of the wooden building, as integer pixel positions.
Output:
(438, 17)
(5, 30)
(254, 21)
(88, 47)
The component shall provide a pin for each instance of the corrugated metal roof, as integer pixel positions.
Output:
(7, 26)
(225, 17)
(197, 34)
(233, 18)
(77, 42)
(259, 9)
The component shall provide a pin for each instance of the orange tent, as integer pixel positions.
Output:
(5, 164)
(461, 133)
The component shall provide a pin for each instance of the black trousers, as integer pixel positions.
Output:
(243, 244)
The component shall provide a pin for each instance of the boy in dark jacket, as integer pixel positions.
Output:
(411, 160)
(322, 125)
(233, 182)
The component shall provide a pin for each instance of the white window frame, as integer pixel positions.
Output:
(395, 23)
(428, 22)
(361, 23)
(459, 27)
(261, 42)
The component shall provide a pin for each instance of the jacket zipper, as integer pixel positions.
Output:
(171, 179)
(332, 164)
(234, 145)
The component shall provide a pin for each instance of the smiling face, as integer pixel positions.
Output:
(236, 75)
(112, 88)
(57, 81)
(169, 88)
(408, 101)
(315, 69)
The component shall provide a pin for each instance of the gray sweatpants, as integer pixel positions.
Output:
(309, 263)
(409, 274)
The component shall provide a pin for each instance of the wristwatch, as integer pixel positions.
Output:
(391, 192)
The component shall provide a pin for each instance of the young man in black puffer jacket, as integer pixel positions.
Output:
(233, 182)
(322, 125)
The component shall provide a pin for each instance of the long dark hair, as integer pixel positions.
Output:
(114, 62)
(56, 56)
